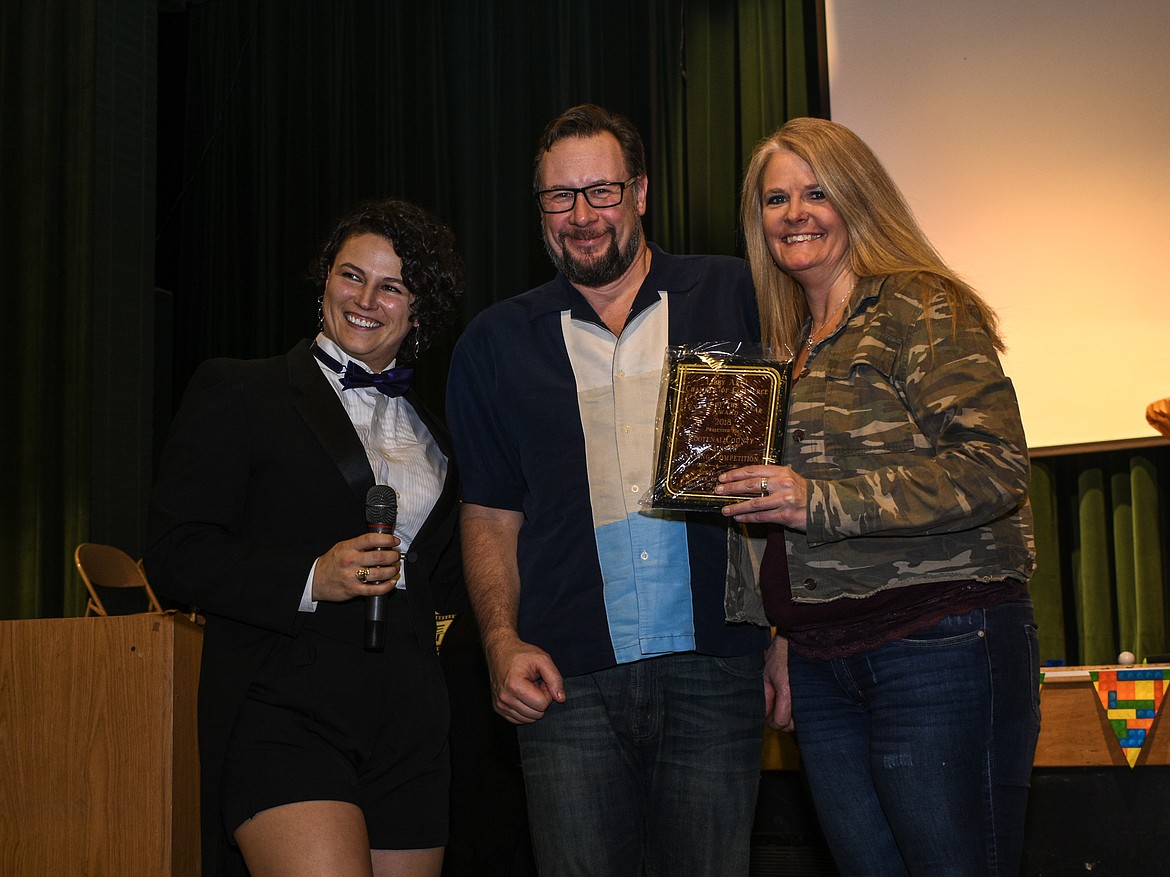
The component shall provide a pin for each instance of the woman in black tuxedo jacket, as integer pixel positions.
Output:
(318, 755)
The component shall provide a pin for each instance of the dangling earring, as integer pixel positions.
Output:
(321, 312)
(417, 332)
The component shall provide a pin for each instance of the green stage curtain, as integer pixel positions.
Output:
(729, 74)
(47, 79)
(1100, 586)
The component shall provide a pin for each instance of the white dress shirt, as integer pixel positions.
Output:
(402, 453)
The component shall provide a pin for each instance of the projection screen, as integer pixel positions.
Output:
(1032, 140)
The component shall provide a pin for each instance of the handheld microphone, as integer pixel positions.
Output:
(381, 515)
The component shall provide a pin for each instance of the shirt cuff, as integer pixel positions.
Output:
(308, 604)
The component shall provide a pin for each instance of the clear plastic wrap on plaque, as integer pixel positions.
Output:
(722, 406)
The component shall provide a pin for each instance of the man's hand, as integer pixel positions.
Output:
(524, 679)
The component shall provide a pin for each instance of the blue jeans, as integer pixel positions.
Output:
(919, 752)
(648, 768)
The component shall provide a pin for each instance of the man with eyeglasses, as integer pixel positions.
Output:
(639, 708)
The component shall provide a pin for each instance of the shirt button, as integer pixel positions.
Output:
(645, 555)
(633, 488)
(798, 434)
(811, 584)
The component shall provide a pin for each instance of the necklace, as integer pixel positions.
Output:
(814, 329)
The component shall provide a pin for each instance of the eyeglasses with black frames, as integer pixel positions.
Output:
(598, 195)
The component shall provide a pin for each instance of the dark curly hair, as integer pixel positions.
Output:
(431, 267)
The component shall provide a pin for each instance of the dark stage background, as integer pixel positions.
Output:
(169, 170)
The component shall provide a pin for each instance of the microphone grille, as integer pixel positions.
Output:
(381, 505)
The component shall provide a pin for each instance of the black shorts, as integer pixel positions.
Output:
(328, 721)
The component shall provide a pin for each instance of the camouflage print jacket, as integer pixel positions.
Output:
(912, 443)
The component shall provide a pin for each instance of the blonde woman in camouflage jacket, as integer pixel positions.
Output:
(896, 571)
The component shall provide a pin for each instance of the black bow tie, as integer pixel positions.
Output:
(392, 382)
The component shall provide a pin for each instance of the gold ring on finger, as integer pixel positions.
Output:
(362, 574)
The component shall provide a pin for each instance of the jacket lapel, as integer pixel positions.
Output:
(317, 404)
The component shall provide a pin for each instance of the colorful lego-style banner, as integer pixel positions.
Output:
(1131, 700)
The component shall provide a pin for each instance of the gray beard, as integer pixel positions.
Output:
(612, 264)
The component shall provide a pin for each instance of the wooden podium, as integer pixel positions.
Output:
(99, 765)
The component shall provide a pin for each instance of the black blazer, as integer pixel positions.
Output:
(262, 473)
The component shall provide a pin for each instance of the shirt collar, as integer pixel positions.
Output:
(341, 356)
(670, 274)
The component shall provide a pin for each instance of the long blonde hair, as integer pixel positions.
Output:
(884, 237)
